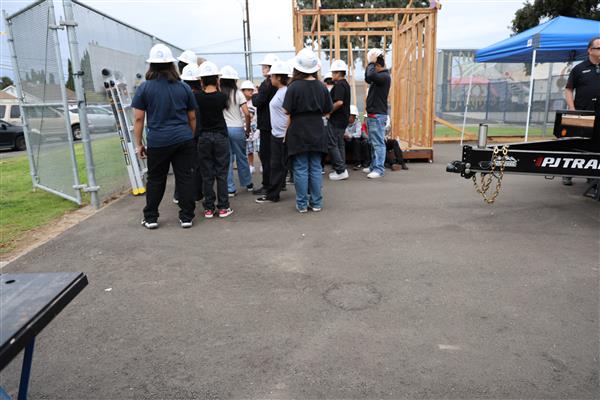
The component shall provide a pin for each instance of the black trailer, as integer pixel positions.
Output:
(575, 153)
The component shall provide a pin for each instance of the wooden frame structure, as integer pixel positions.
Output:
(410, 35)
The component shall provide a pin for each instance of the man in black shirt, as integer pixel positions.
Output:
(338, 120)
(261, 101)
(379, 80)
(584, 80)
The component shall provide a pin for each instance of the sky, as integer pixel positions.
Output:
(216, 25)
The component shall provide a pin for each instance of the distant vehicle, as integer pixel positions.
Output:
(11, 136)
(99, 118)
(49, 121)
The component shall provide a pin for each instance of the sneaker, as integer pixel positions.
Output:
(374, 175)
(334, 176)
(175, 200)
(232, 194)
(302, 210)
(323, 171)
(209, 213)
(225, 212)
(404, 166)
(185, 224)
(356, 167)
(259, 192)
(149, 224)
(366, 170)
(396, 167)
(264, 199)
(567, 181)
(251, 170)
(315, 209)
(250, 187)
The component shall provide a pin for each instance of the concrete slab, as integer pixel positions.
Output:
(404, 287)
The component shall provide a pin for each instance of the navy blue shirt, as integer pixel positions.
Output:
(166, 105)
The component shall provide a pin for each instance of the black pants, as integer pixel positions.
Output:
(181, 156)
(393, 152)
(213, 159)
(360, 149)
(197, 177)
(278, 168)
(337, 149)
(265, 156)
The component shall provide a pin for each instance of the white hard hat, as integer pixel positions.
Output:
(306, 61)
(188, 57)
(328, 75)
(269, 59)
(228, 72)
(160, 54)
(280, 68)
(190, 72)
(339, 65)
(353, 110)
(375, 53)
(247, 85)
(208, 69)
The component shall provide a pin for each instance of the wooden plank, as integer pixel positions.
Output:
(366, 25)
(356, 33)
(319, 35)
(432, 88)
(419, 84)
(373, 11)
(412, 22)
(450, 125)
(337, 37)
(428, 65)
(351, 71)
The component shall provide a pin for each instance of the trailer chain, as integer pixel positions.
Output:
(487, 177)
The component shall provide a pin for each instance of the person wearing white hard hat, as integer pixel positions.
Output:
(213, 142)
(307, 100)
(261, 100)
(190, 75)
(338, 120)
(188, 57)
(328, 80)
(379, 80)
(252, 142)
(237, 117)
(356, 141)
(170, 109)
(279, 120)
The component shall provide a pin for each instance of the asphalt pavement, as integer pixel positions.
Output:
(405, 287)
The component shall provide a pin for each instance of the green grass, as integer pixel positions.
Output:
(23, 209)
(442, 131)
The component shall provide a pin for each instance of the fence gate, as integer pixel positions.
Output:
(43, 101)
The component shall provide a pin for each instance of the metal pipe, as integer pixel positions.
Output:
(530, 95)
(482, 136)
(79, 91)
(462, 134)
(251, 78)
(21, 98)
(63, 92)
(60, 194)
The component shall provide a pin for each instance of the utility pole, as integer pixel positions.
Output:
(249, 47)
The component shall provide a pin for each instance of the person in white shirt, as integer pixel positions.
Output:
(237, 118)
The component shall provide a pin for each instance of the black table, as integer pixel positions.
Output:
(28, 302)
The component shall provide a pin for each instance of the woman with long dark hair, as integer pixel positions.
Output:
(307, 100)
(170, 109)
(237, 117)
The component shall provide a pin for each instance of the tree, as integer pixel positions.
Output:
(70, 81)
(531, 14)
(5, 82)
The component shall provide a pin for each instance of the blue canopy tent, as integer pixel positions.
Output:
(561, 39)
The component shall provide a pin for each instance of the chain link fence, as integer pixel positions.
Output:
(499, 93)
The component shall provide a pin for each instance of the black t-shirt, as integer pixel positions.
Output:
(585, 80)
(210, 110)
(340, 91)
(261, 101)
(306, 101)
